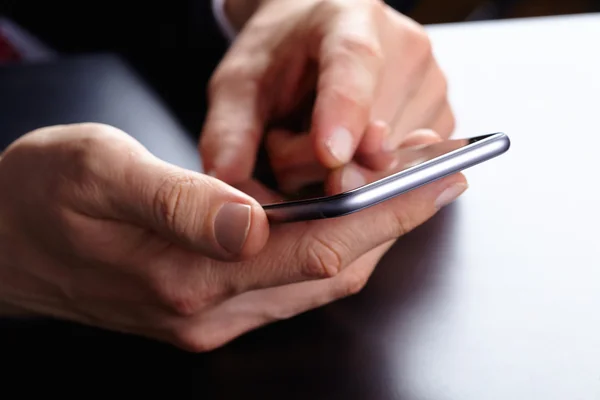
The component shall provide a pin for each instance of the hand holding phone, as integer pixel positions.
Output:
(415, 167)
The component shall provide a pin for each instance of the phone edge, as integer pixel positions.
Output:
(410, 179)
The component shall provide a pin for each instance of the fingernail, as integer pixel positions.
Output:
(352, 178)
(450, 194)
(232, 225)
(340, 145)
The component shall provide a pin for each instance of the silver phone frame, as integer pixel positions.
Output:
(482, 148)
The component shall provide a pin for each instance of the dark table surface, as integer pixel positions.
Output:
(497, 297)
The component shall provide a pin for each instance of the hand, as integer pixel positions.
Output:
(96, 230)
(366, 62)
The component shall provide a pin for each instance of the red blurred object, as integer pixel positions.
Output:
(8, 53)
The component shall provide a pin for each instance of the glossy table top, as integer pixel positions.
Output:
(497, 297)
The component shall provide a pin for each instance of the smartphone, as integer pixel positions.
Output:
(415, 167)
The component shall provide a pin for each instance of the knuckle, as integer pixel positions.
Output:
(238, 68)
(420, 45)
(350, 96)
(352, 283)
(95, 143)
(84, 151)
(193, 338)
(170, 202)
(234, 73)
(364, 48)
(403, 223)
(187, 302)
(417, 33)
(423, 41)
(96, 139)
(181, 302)
(85, 159)
(184, 295)
(424, 50)
(82, 157)
(323, 259)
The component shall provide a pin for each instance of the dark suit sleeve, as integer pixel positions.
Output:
(174, 45)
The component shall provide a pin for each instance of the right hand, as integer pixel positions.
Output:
(360, 59)
(95, 229)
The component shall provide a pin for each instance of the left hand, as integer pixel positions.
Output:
(366, 63)
(255, 308)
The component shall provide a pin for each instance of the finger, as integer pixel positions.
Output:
(287, 149)
(293, 181)
(350, 60)
(238, 315)
(321, 249)
(234, 123)
(422, 109)
(385, 159)
(372, 151)
(407, 59)
(293, 161)
(295, 165)
(374, 139)
(354, 175)
(190, 209)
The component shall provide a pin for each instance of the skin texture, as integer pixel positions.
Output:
(95, 229)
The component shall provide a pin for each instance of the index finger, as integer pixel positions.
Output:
(350, 60)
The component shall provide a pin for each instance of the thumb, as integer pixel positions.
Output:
(190, 209)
